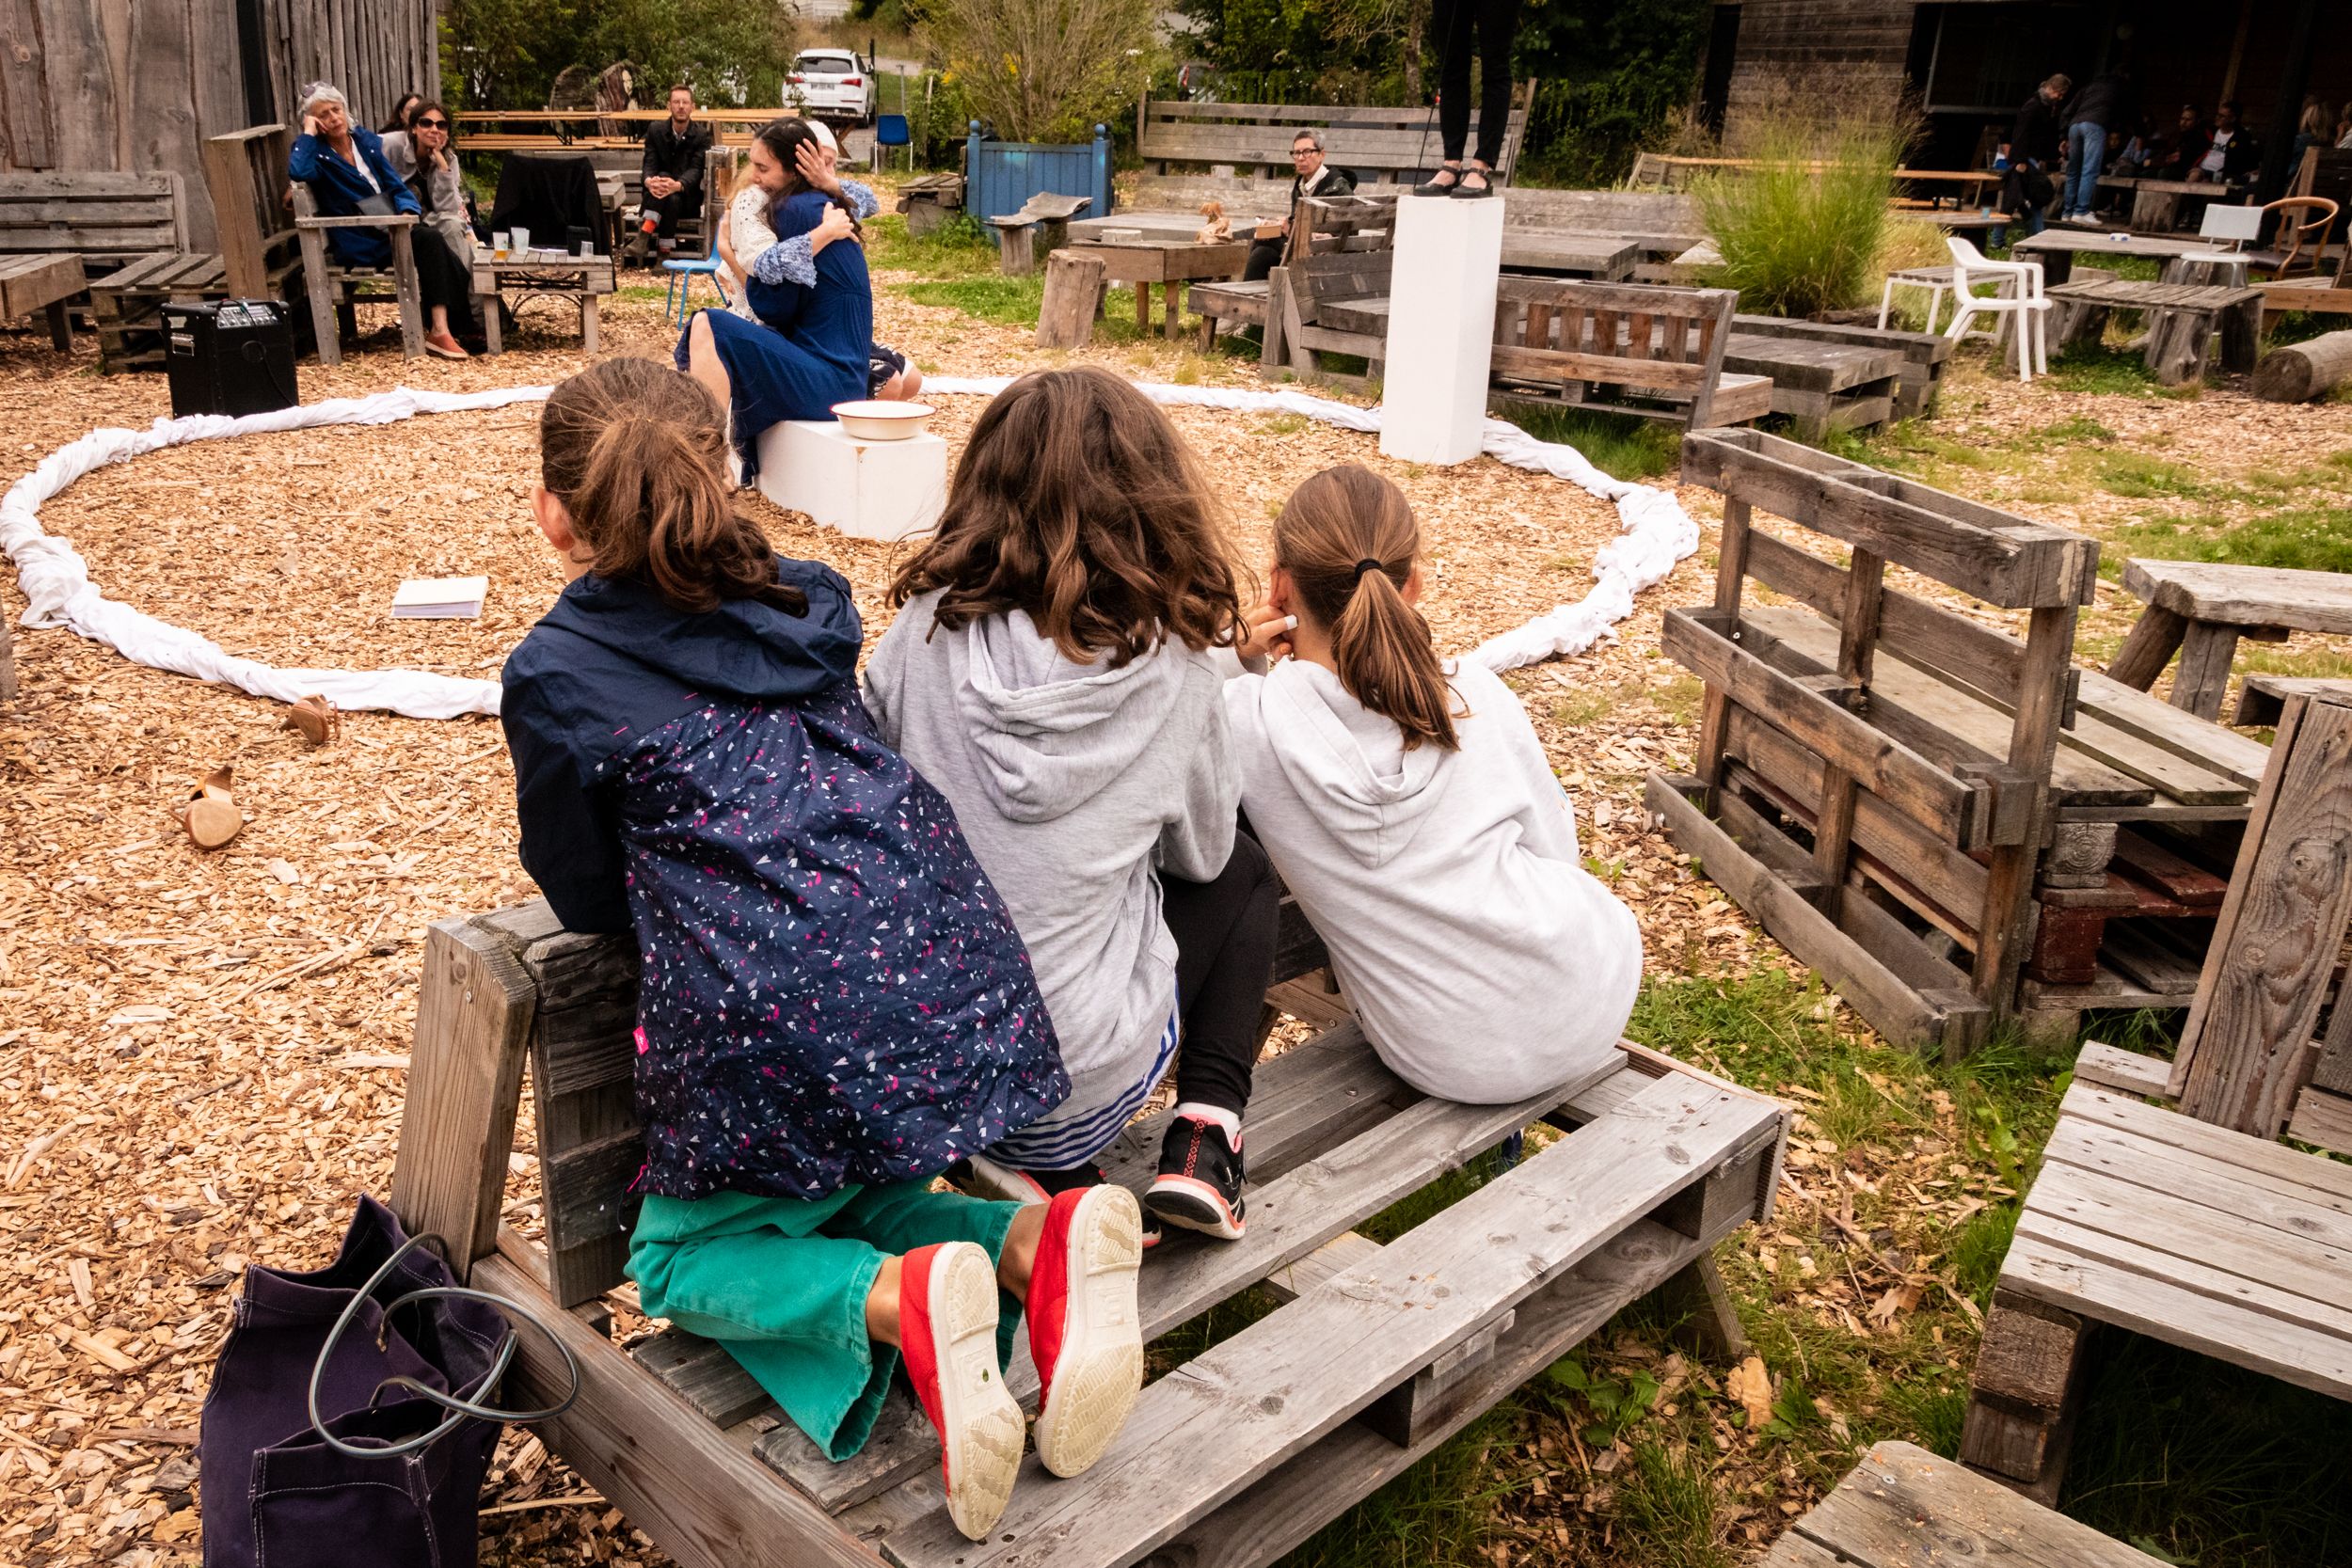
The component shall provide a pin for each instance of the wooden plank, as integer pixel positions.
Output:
(1891, 1005)
(1902, 777)
(2002, 938)
(2267, 1206)
(702, 1499)
(2322, 1118)
(704, 1374)
(2088, 1113)
(464, 1085)
(2124, 1071)
(1902, 1506)
(2244, 1051)
(2244, 596)
(2203, 675)
(2238, 758)
(1270, 1392)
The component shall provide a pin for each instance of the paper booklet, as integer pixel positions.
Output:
(440, 598)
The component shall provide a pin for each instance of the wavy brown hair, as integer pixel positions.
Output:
(1348, 540)
(637, 454)
(1078, 502)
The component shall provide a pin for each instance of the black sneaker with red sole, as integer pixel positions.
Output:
(1199, 1182)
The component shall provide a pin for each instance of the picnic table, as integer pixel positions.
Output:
(2202, 608)
(1170, 263)
(42, 281)
(2056, 248)
(2157, 203)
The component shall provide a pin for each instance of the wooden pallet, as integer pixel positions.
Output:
(1924, 354)
(1904, 1507)
(39, 283)
(126, 306)
(1379, 1354)
(1820, 385)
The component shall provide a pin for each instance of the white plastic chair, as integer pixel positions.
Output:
(2020, 302)
(1937, 281)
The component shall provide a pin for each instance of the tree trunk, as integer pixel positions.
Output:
(1416, 29)
(2301, 372)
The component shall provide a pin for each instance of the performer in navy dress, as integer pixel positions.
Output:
(809, 348)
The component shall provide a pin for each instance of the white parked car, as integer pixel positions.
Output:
(833, 84)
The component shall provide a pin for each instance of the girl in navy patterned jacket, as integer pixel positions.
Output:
(833, 1004)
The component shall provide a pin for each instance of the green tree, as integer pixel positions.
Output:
(1041, 70)
(506, 54)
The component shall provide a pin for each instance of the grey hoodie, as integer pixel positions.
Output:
(1075, 785)
(1485, 962)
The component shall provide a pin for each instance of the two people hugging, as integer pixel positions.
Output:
(957, 919)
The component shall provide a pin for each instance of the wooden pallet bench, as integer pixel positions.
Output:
(2187, 1221)
(2203, 609)
(1378, 1354)
(1924, 354)
(1250, 143)
(1647, 350)
(38, 283)
(1913, 803)
(2182, 319)
(1820, 385)
(1902, 1506)
(127, 304)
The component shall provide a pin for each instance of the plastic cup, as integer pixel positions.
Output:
(587, 249)
(523, 240)
(498, 244)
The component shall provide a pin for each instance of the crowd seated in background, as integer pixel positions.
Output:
(2229, 152)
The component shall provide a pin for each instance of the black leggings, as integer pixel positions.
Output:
(1496, 23)
(1224, 930)
(442, 279)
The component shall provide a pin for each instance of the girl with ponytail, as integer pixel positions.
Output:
(834, 1005)
(1409, 806)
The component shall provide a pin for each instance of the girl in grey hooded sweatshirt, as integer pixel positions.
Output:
(1409, 809)
(1056, 671)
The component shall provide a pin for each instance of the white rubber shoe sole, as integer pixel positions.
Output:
(980, 1422)
(1100, 1370)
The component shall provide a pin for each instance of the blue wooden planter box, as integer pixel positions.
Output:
(999, 176)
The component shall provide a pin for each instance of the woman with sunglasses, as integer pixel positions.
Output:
(424, 160)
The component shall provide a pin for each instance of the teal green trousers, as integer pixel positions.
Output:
(782, 1284)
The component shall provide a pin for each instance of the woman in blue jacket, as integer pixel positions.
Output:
(810, 347)
(832, 1002)
(347, 172)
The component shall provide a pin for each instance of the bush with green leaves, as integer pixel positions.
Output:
(1042, 70)
(1802, 225)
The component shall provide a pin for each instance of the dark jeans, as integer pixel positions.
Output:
(1495, 21)
(1224, 930)
(1264, 256)
(667, 210)
(442, 279)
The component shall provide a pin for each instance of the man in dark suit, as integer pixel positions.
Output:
(673, 171)
(1310, 176)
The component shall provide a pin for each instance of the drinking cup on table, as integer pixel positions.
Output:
(498, 244)
(523, 240)
(587, 249)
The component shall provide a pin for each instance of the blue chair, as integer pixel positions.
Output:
(678, 303)
(892, 131)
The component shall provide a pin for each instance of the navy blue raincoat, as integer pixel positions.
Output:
(833, 994)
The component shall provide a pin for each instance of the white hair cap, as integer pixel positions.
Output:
(322, 92)
(824, 135)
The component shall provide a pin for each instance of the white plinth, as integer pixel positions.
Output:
(867, 489)
(1441, 328)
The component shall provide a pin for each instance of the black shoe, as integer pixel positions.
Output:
(1435, 186)
(1199, 1182)
(1465, 191)
(982, 1177)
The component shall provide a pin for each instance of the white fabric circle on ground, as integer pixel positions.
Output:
(56, 582)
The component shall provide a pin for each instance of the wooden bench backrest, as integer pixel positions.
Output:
(570, 1001)
(1378, 146)
(245, 173)
(1630, 334)
(92, 215)
(1329, 223)
(1338, 275)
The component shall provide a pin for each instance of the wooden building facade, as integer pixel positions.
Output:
(136, 85)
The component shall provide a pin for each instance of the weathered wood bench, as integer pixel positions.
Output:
(2191, 1223)
(1924, 354)
(34, 283)
(1902, 1506)
(1038, 229)
(127, 304)
(1624, 348)
(335, 287)
(1949, 823)
(76, 227)
(2182, 319)
(929, 199)
(1820, 385)
(2202, 608)
(1319, 225)
(1249, 144)
(1379, 1354)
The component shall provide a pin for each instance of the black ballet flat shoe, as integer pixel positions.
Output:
(1464, 192)
(1435, 186)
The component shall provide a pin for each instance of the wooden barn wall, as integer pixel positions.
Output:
(1843, 54)
(136, 86)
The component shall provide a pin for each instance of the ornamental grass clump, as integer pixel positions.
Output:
(1801, 226)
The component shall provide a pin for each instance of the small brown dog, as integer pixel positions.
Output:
(1218, 228)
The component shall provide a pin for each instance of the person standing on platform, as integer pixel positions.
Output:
(1312, 174)
(673, 172)
(1496, 23)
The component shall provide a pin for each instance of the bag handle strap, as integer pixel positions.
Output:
(460, 1406)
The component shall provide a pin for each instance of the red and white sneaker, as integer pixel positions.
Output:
(1085, 1333)
(947, 1334)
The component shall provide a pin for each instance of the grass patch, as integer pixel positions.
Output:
(2095, 368)
(2074, 431)
(1666, 1506)
(2307, 538)
(959, 248)
(1009, 301)
(1619, 445)
(2138, 476)
(1434, 1515)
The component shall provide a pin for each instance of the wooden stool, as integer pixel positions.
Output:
(2202, 608)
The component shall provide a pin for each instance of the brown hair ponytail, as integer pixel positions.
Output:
(1348, 540)
(637, 454)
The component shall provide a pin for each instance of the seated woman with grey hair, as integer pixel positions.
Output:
(349, 176)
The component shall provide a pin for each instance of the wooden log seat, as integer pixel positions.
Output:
(1380, 1352)
(2202, 608)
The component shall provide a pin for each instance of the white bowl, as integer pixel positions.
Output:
(882, 419)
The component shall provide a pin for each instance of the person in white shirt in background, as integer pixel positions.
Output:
(747, 232)
(1409, 807)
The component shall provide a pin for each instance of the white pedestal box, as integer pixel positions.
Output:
(1441, 328)
(867, 489)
